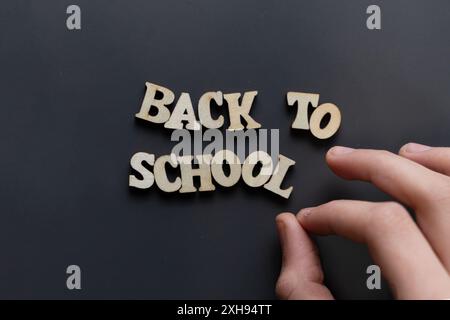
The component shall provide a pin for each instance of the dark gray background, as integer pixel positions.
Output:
(67, 133)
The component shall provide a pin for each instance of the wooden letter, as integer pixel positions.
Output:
(217, 168)
(147, 177)
(203, 171)
(303, 100)
(249, 165)
(183, 111)
(281, 169)
(237, 111)
(163, 113)
(161, 179)
(333, 124)
(204, 109)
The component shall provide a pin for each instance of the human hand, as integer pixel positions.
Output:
(414, 257)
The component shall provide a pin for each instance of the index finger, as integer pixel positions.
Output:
(422, 189)
(405, 180)
(395, 243)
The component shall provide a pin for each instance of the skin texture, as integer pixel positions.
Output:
(414, 257)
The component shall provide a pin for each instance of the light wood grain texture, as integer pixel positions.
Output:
(183, 111)
(159, 170)
(278, 175)
(303, 100)
(163, 113)
(238, 111)
(203, 171)
(333, 125)
(147, 177)
(204, 109)
(217, 168)
(265, 172)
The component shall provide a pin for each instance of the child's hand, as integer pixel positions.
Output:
(414, 258)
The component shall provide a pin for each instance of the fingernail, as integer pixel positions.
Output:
(416, 147)
(305, 212)
(340, 150)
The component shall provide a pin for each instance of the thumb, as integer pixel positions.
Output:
(301, 274)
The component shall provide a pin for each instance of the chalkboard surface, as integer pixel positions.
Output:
(67, 133)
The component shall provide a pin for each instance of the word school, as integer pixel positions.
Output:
(257, 170)
(211, 167)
